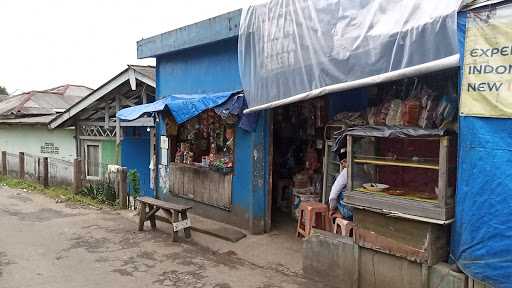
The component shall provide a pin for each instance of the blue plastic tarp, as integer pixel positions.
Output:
(482, 233)
(481, 243)
(182, 107)
(186, 107)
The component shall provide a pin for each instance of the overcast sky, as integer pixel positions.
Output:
(48, 43)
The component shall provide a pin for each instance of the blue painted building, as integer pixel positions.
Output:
(202, 58)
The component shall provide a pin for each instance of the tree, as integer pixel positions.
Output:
(3, 91)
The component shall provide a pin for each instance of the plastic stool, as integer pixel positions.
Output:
(345, 226)
(312, 214)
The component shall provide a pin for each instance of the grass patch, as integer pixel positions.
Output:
(58, 192)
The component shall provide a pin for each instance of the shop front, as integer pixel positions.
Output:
(365, 99)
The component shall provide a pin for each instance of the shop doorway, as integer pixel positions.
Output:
(297, 165)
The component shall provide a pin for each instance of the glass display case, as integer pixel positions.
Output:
(407, 176)
(331, 163)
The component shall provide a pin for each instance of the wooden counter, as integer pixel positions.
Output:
(201, 184)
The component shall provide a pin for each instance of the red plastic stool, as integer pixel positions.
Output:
(312, 215)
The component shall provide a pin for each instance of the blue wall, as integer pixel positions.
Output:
(210, 68)
(136, 141)
(214, 68)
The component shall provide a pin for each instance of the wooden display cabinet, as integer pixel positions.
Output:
(419, 171)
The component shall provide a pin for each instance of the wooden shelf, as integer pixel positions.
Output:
(398, 163)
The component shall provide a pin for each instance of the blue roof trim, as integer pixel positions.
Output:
(215, 29)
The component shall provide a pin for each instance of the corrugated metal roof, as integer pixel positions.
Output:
(42, 102)
(43, 120)
(149, 71)
(107, 91)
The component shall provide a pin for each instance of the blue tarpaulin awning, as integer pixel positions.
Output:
(186, 107)
(182, 107)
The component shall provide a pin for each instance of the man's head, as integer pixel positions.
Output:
(343, 163)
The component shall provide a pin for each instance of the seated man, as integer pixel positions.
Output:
(336, 195)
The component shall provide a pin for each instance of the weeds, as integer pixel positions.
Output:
(52, 192)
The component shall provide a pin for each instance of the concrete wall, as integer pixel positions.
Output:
(208, 69)
(332, 258)
(39, 141)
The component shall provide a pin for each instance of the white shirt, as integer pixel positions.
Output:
(339, 185)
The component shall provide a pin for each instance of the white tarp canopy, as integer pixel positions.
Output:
(292, 50)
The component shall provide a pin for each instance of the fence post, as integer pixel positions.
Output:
(4, 163)
(122, 177)
(77, 175)
(21, 165)
(45, 172)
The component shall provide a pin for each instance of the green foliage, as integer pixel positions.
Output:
(102, 191)
(134, 182)
(3, 90)
(52, 192)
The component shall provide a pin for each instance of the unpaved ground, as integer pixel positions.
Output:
(45, 244)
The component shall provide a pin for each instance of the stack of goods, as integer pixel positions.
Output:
(302, 191)
(184, 155)
(423, 109)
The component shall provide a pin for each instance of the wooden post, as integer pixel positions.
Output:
(21, 165)
(45, 172)
(123, 187)
(4, 163)
(77, 175)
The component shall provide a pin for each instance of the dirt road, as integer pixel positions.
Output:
(46, 244)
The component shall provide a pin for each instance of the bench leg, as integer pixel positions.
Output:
(152, 218)
(187, 230)
(142, 215)
(175, 219)
(170, 215)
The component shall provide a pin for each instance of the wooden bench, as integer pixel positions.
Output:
(173, 211)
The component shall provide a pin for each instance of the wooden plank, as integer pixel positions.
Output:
(198, 183)
(417, 241)
(151, 216)
(390, 204)
(187, 229)
(142, 215)
(175, 219)
(163, 204)
(188, 183)
(397, 163)
(443, 172)
(180, 190)
(424, 276)
(371, 240)
(350, 164)
(118, 125)
(228, 182)
(4, 163)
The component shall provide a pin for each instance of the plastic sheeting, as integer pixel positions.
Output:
(182, 107)
(481, 243)
(289, 47)
(185, 107)
(235, 106)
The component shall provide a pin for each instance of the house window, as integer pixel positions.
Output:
(92, 155)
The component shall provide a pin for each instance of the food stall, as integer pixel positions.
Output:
(201, 164)
(196, 146)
